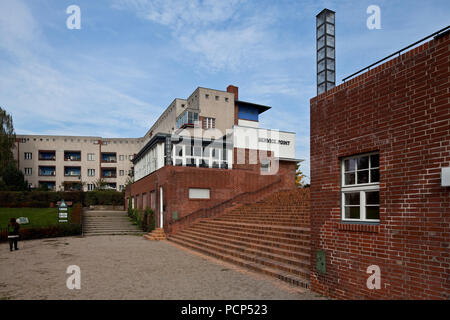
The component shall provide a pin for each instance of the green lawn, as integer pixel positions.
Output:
(38, 217)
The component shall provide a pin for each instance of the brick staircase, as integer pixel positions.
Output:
(156, 235)
(102, 222)
(270, 236)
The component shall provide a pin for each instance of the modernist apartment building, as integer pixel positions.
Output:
(206, 149)
(211, 129)
(380, 187)
(75, 162)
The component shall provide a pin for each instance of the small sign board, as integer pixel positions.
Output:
(62, 212)
(22, 220)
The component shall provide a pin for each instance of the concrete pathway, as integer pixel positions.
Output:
(128, 267)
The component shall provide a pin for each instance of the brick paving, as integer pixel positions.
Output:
(129, 267)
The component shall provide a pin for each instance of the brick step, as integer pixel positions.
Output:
(115, 233)
(273, 215)
(301, 253)
(289, 231)
(288, 238)
(283, 243)
(292, 218)
(261, 221)
(224, 244)
(258, 263)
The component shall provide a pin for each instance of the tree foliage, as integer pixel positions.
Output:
(299, 176)
(7, 139)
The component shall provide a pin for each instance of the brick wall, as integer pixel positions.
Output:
(223, 184)
(402, 109)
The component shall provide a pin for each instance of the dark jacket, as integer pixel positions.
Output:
(13, 229)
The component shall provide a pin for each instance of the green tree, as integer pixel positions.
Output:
(7, 139)
(299, 176)
(13, 178)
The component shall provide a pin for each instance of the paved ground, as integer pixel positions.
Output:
(128, 267)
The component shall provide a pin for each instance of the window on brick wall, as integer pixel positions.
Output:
(209, 123)
(360, 188)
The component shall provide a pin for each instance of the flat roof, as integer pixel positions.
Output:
(261, 108)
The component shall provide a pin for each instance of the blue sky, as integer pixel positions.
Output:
(131, 58)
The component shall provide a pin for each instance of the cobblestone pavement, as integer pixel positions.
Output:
(129, 267)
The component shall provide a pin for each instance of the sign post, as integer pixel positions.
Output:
(62, 212)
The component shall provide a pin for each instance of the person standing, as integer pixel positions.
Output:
(13, 233)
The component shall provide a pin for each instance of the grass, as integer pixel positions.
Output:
(38, 217)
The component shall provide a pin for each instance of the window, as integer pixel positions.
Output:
(91, 156)
(121, 172)
(209, 123)
(121, 157)
(130, 157)
(90, 187)
(28, 171)
(265, 165)
(217, 98)
(28, 155)
(199, 193)
(226, 99)
(360, 191)
(207, 96)
(121, 187)
(91, 172)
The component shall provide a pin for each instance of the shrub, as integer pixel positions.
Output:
(61, 230)
(43, 199)
(150, 220)
(130, 209)
(76, 215)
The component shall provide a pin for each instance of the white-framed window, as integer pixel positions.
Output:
(28, 155)
(195, 193)
(121, 187)
(360, 188)
(90, 187)
(121, 157)
(91, 156)
(91, 172)
(209, 123)
(265, 165)
(28, 171)
(121, 172)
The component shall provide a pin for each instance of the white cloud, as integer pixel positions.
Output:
(62, 100)
(216, 34)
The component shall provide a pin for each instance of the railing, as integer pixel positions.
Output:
(215, 210)
(436, 34)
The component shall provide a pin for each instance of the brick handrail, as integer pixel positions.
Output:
(216, 209)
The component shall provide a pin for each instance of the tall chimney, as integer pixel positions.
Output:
(325, 36)
(235, 90)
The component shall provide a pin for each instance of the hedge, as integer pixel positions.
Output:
(73, 228)
(62, 230)
(43, 199)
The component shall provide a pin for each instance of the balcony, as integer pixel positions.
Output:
(72, 186)
(109, 157)
(109, 173)
(111, 186)
(72, 171)
(47, 185)
(47, 171)
(72, 155)
(47, 155)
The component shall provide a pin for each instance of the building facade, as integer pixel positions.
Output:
(380, 210)
(205, 150)
(76, 162)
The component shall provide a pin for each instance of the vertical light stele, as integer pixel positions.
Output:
(325, 37)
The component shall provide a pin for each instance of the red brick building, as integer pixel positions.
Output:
(207, 153)
(378, 145)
